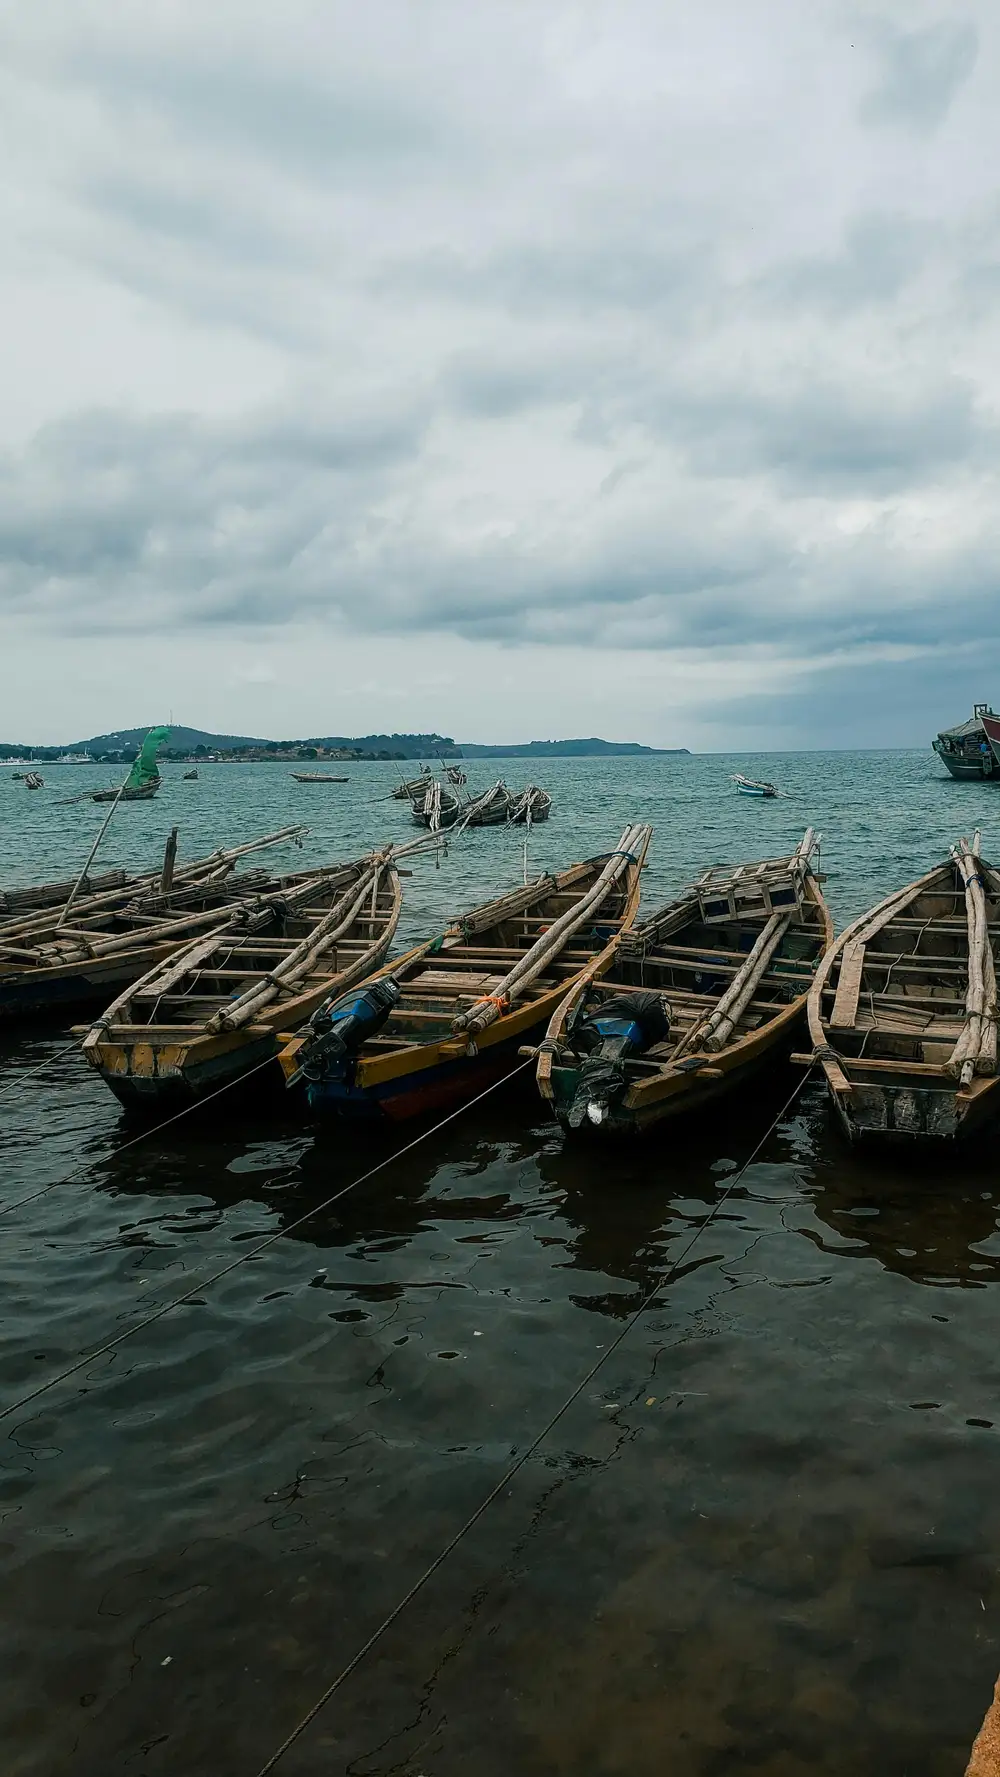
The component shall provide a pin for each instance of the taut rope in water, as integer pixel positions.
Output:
(526, 1454)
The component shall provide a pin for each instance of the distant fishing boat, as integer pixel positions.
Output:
(490, 809)
(412, 788)
(33, 780)
(213, 1010)
(696, 1000)
(317, 777)
(752, 786)
(531, 806)
(143, 780)
(902, 1013)
(970, 751)
(190, 776)
(429, 1029)
(437, 807)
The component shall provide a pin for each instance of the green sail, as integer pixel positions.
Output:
(144, 770)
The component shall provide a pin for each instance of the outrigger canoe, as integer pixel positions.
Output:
(434, 1027)
(213, 1010)
(903, 1011)
(693, 1002)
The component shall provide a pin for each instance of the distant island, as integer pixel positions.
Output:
(196, 745)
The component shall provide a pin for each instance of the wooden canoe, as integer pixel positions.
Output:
(890, 1004)
(419, 1062)
(52, 960)
(436, 807)
(530, 806)
(747, 940)
(213, 1010)
(141, 793)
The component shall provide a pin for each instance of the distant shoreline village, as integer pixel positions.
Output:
(195, 746)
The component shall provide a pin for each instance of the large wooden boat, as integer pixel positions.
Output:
(19, 902)
(969, 751)
(694, 1001)
(213, 1010)
(902, 1013)
(79, 953)
(443, 1021)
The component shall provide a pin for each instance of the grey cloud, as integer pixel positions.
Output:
(635, 362)
(921, 71)
(311, 124)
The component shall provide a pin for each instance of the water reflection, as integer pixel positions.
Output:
(934, 1220)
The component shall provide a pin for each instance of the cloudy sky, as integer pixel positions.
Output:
(507, 369)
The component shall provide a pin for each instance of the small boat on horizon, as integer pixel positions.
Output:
(318, 777)
(752, 786)
(698, 998)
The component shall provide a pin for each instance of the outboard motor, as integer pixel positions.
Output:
(340, 1028)
(623, 1025)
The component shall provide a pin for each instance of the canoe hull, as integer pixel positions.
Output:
(174, 1079)
(440, 1087)
(692, 1092)
(904, 1116)
(45, 993)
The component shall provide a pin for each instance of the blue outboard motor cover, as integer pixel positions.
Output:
(624, 1024)
(341, 1027)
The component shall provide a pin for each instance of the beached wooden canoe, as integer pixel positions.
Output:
(902, 1014)
(694, 1001)
(437, 1025)
(212, 1011)
(81, 952)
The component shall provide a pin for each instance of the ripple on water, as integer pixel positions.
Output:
(764, 1533)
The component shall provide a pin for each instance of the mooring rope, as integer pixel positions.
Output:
(355, 1661)
(251, 1252)
(26, 1073)
(7, 1209)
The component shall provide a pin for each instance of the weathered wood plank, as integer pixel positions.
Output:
(845, 1005)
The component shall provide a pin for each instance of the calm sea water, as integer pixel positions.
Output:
(765, 1538)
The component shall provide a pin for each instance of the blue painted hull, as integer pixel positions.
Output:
(430, 1089)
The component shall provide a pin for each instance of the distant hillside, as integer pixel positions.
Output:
(563, 749)
(124, 743)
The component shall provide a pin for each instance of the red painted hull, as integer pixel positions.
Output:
(992, 726)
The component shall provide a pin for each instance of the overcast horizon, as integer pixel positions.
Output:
(625, 370)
